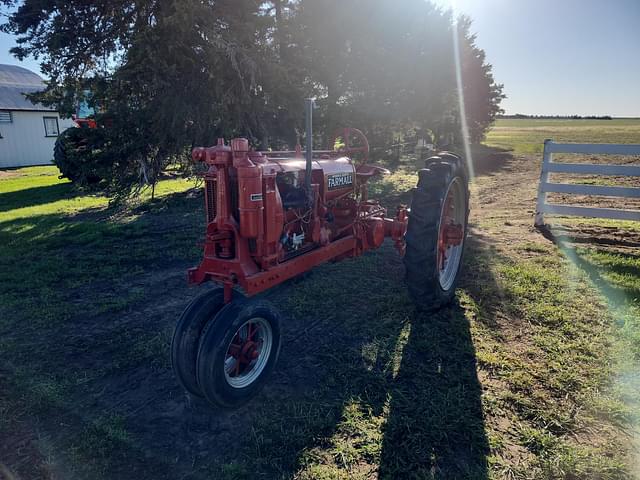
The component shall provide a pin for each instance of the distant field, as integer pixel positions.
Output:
(527, 135)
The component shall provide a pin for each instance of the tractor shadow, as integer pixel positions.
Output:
(435, 427)
(373, 361)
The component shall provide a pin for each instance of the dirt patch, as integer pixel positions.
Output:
(505, 203)
(9, 174)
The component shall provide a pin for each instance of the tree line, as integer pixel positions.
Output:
(166, 75)
(558, 117)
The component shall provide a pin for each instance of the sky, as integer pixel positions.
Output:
(561, 56)
(554, 57)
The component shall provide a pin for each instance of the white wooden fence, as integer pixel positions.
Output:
(549, 166)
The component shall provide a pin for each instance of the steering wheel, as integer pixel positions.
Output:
(347, 133)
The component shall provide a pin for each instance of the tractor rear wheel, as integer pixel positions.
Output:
(77, 154)
(65, 142)
(237, 352)
(59, 150)
(186, 337)
(436, 232)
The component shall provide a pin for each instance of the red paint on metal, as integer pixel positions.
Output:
(85, 122)
(254, 242)
(450, 234)
(347, 134)
(244, 351)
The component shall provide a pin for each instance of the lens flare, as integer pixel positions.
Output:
(622, 309)
(461, 108)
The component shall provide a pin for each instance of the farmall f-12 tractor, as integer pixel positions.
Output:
(272, 216)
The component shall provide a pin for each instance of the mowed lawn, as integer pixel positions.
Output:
(531, 374)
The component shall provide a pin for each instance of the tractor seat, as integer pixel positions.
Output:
(367, 171)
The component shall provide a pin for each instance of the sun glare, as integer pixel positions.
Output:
(461, 106)
(453, 5)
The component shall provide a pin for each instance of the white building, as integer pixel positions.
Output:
(27, 131)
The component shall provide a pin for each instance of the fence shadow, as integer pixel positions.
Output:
(602, 243)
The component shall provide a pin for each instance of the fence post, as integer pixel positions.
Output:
(544, 177)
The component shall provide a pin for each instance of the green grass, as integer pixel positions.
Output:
(618, 277)
(526, 136)
(67, 254)
(525, 377)
(601, 222)
(37, 191)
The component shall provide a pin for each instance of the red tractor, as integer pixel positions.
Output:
(272, 216)
(77, 150)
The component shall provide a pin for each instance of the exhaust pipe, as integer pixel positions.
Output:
(308, 115)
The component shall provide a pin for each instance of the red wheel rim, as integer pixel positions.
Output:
(347, 134)
(451, 234)
(248, 352)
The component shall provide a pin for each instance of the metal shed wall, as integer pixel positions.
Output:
(23, 141)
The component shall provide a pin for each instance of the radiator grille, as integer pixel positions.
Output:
(210, 192)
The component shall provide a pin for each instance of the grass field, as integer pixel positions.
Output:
(531, 374)
(526, 136)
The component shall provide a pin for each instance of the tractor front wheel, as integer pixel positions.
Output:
(237, 352)
(199, 313)
(436, 232)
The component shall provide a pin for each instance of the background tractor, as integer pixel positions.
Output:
(272, 216)
(77, 151)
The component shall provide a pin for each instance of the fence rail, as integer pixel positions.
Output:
(549, 166)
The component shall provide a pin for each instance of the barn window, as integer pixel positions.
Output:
(5, 117)
(50, 126)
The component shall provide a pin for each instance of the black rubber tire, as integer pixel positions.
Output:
(74, 153)
(186, 336)
(421, 255)
(59, 150)
(213, 348)
(73, 140)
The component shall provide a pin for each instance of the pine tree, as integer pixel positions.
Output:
(169, 75)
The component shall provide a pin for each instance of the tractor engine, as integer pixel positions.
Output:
(319, 217)
(268, 220)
